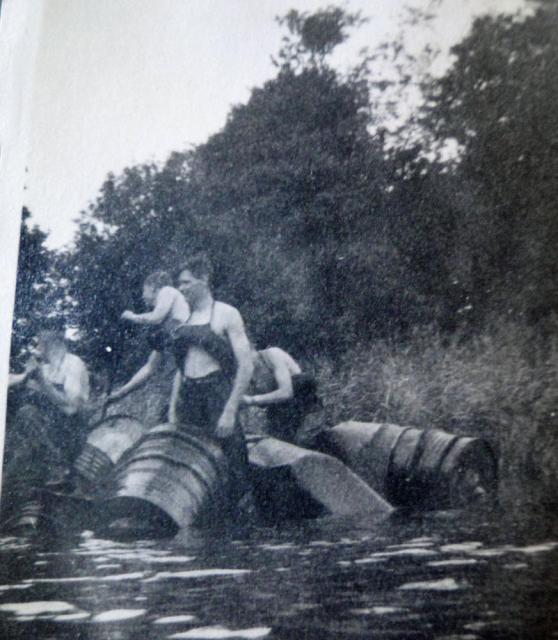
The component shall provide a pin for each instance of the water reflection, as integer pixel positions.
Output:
(431, 577)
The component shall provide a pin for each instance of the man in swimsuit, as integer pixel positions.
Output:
(169, 309)
(214, 367)
(288, 394)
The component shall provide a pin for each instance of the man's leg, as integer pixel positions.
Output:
(234, 447)
(192, 407)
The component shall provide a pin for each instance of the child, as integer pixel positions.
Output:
(169, 308)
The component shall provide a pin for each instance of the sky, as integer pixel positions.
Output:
(121, 82)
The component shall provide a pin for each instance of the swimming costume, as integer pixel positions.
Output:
(202, 336)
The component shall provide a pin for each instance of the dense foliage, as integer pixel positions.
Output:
(498, 101)
(298, 204)
(39, 300)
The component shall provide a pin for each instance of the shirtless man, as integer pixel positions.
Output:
(214, 367)
(279, 385)
(55, 389)
(169, 309)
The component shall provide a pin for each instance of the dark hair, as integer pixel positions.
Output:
(158, 280)
(199, 266)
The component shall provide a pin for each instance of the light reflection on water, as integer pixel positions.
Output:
(430, 577)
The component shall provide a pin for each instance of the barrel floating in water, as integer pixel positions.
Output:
(292, 482)
(104, 447)
(171, 479)
(414, 467)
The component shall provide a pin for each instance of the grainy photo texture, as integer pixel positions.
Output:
(284, 351)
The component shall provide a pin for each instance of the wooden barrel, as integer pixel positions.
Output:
(415, 467)
(104, 447)
(171, 479)
(292, 482)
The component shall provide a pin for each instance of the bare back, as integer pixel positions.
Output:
(179, 311)
(274, 356)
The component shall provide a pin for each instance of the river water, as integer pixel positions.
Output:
(441, 575)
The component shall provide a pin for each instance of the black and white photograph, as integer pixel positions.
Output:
(281, 319)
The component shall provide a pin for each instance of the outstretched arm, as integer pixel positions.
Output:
(163, 304)
(245, 367)
(139, 378)
(15, 379)
(176, 384)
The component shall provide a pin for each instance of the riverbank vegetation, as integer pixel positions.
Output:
(499, 384)
(419, 284)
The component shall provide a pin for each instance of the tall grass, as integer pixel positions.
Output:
(501, 385)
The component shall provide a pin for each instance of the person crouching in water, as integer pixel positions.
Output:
(288, 395)
(50, 426)
(214, 368)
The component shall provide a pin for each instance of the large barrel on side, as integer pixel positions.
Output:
(104, 447)
(291, 482)
(171, 479)
(414, 467)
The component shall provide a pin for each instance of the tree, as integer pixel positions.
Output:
(498, 101)
(38, 299)
(305, 214)
(140, 222)
(313, 36)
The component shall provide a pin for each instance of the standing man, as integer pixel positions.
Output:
(214, 367)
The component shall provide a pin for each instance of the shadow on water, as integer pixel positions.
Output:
(460, 575)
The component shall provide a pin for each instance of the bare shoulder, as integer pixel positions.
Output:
(227, 315)
(280, 358)
(166, 293)
(74, 363)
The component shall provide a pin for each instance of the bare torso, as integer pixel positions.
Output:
(197, 362)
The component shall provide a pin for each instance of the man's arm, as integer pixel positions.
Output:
(245, 367)
(15, 379)
(284, 380)
(139, 378)
(176, 384)
(163, 304)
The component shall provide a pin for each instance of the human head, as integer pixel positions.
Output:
(153, 283)
(50, 342)
(194, 276)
